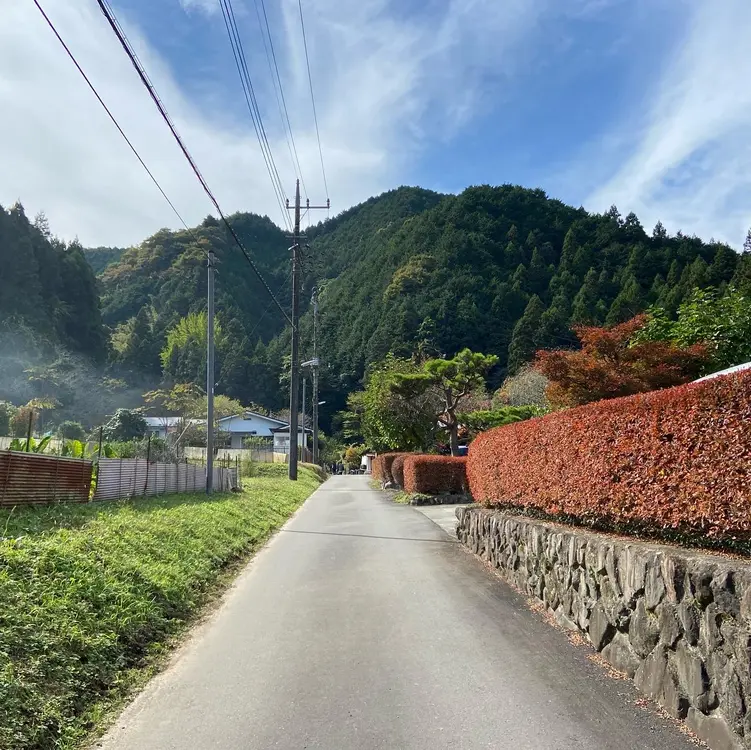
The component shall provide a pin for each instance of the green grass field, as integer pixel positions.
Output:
(92, 597)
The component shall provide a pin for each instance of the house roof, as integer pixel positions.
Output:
(728, 371)
(162, 421)
(249, 414)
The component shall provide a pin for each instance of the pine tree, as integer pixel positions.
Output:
(659, 232)
(524, 338)
(614, 214)
(584, 308)
(554, 328)
(747, 242)
(627, 304)
(538, 276)
(723, 265)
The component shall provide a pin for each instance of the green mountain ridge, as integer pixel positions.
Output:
(503, 270)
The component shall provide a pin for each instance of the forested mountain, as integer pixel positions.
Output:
(503, 270)
(47, 285)
(101, 257)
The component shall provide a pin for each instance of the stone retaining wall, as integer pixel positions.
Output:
(676, 621)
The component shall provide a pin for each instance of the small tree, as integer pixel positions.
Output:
(126, 424)
(69, 430)
(7, 410)
(526, 388)
(453, 380)
(387, 419)
(609, 365)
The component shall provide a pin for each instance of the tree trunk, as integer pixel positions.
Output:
(454, 438)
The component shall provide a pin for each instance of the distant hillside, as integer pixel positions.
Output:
(499, 269)
(100, 258)
(503, 270)
(46, 286)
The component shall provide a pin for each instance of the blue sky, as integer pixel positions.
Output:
(642, 103)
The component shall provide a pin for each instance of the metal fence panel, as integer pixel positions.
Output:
(121, 478)
(36, 478)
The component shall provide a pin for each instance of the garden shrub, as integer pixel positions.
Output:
(435, 475)
(382, 466)
(397, 470)
(677, 458)
(376, 468)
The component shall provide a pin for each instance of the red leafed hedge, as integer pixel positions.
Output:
(676, 458)
(435, 475)
(397, 469)
(381, 468)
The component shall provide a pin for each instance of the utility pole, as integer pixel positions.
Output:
(303, 441)
(210, 378)
(315, 376)
(294, 384)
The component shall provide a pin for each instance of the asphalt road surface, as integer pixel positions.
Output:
(364, 625)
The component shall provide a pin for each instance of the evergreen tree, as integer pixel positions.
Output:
(584, 308)
(723, 265)
(627, 304)
(659, 232)
(554, 330)
(524, 338)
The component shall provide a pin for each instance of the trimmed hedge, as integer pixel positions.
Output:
(397, 469)
(382, 466)
(678, 458)
(435, 475)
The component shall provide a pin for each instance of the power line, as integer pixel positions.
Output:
(283, 112)
(282, 287)
(251, 100)
(312, 96)
(122, 38)
(109, 113)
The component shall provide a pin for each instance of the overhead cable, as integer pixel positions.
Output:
(122, 38)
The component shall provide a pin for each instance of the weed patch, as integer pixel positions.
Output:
(93, 595)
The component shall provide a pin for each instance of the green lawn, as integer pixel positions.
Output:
(92, 596)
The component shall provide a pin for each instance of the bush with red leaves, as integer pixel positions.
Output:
(678, 458)
(397, 469)
(609, 365)
(376, 468)
(382, 466)
(435, 475)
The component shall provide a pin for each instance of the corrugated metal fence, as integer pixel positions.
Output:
(35, 478)
(133, 477)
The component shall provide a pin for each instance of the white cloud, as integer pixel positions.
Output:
(205, 6)
(384, 82)
(690, 159)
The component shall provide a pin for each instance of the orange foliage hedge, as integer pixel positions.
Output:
(397, 469)
(435, 475)
(676, 458)
(382, 466)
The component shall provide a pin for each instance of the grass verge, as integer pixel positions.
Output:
(93, 596)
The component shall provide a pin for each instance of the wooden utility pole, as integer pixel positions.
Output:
(210, 378)
(315, 375)
(294, 384)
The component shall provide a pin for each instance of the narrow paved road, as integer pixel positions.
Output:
(363, 625)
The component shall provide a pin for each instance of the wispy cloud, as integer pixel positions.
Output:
(688, 159)
(210, 7)
(385, 81)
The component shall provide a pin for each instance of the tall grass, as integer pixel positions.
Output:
(90, 596)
